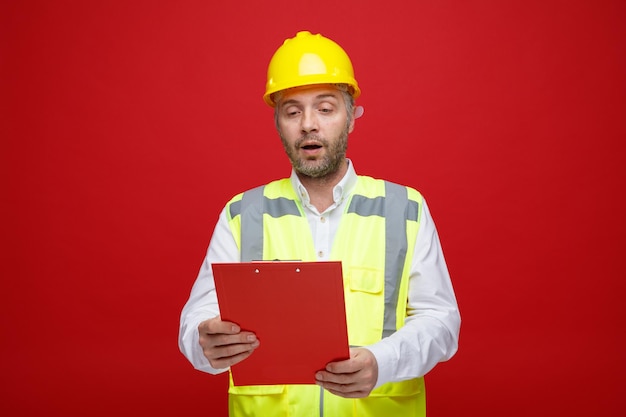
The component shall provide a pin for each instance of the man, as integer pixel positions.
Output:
(401, 309)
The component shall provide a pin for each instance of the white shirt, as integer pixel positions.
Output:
(431, 331)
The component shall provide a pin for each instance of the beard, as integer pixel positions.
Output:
(328, 164)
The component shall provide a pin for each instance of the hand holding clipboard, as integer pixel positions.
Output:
(296, 310)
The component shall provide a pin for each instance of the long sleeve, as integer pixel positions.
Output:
(202, 302)
(431, 331)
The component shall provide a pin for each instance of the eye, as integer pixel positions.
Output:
(325, 110)
(292, 111)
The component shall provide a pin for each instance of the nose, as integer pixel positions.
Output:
(309, 122)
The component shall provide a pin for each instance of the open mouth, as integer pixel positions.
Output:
(311, 147)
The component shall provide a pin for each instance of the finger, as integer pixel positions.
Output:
(349, 394)
(227, 339)
(347, 390)
(339, 379)
(222, 361)
(233, 349)
(213, 351)
(343, 367)
(346, 366)
(360, 359)
(216, 326)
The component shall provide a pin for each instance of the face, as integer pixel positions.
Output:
(313, 125)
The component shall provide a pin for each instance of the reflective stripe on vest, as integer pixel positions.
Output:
(395, 207)
(375, 241)
(396, 210)
(252, 206)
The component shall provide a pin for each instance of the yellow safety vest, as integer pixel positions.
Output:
(375, 242)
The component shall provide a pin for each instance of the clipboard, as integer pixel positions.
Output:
(297, 311)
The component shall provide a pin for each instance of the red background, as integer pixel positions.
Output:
(126, 125)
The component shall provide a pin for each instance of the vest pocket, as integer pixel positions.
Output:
(364, 305)
(399, 389)
(404, 399)
(255, 400)
(365, 280)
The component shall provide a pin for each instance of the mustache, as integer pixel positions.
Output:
(308, 137)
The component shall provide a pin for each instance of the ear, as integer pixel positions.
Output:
(356, 113)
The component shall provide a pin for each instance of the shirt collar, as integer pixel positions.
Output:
(341, 191)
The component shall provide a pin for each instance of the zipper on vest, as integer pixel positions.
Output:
(321, 402)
